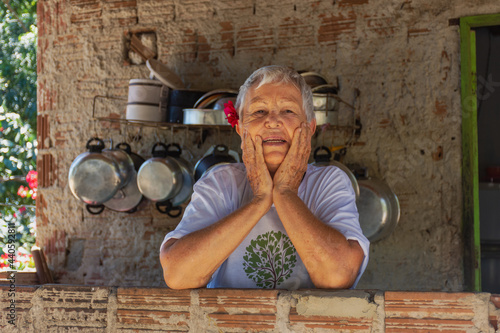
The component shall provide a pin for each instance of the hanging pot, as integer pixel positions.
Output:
(174, 150)
(219, 155)
(323, 157)
(378, 209)
(128, 198)
(124, 163)
(136, 158)
(160, 177)
(95, 176)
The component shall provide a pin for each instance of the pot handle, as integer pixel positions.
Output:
(125, 147)
(95, 209)
(159, 152)
(322, 157)
(339, 155)
(165, 207)
(95, 148)
(174, 153)
(221, 150)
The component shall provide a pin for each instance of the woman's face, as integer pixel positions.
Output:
(273, 112)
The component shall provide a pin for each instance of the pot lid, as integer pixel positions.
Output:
(165, 75)
(126, 198)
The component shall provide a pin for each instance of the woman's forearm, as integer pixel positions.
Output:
(190, 261)
(331, 260)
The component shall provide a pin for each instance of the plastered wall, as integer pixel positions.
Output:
(397, 62)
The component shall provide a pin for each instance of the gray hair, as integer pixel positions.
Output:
(277, 74)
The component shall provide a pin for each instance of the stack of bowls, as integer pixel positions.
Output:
(147, 100)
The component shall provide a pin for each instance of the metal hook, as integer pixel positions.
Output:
(157, 138)
(95, 128)
(138, 136)
(125, 133)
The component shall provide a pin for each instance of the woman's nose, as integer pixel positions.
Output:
(273, 120)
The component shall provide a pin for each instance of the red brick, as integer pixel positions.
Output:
(240, 309)
(418, 32)
(119, 4)
(333, 27)
(330, 323)
(428, 325)
(429, 311)
(46, 170)
(159, 308)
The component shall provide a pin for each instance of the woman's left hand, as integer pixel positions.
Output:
(289, 175)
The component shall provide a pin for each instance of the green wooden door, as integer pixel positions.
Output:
(470, 181)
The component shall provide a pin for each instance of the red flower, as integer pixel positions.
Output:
(33, 196)
(32, 179)
(231, 114)
(22, 191)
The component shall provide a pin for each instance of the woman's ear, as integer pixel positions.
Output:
(312, 125)
(238, 130)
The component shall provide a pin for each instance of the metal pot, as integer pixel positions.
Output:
(313, 79)
(323, 157)
(128, 198)
(212, 96)
(160, 177)
(219, 155)
(137, 159)
(378, 209)
(326, 117)
(179, 100)
(324, 98)
(174, 150)
(95, 176)
(124, 163)
(204, 117)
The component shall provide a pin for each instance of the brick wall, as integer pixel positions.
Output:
(56, 308)
(402, 57)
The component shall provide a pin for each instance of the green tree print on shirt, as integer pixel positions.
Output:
(269, 259)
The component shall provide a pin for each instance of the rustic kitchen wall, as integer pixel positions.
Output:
(396, 61)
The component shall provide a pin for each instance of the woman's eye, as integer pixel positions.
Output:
(289, 111)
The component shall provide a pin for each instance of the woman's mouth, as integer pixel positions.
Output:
(274, 141)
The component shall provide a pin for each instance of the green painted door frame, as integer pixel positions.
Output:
(470, 180)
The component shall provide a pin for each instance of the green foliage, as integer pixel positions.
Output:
(17, 121)
(270, 259)
(18, 60)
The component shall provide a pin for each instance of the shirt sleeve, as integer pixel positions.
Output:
(334, 202)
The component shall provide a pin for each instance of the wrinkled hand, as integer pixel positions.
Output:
(289, 175)
(257, 172)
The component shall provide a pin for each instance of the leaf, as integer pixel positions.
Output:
(9, 165)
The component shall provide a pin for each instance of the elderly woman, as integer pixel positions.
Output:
(273, 221)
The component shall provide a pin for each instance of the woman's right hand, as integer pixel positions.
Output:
(257, 172)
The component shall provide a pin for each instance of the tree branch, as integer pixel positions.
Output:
(7, 3)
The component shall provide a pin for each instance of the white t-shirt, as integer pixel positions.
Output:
(267, 258)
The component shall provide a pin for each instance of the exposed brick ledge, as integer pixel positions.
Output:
(51, 308)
